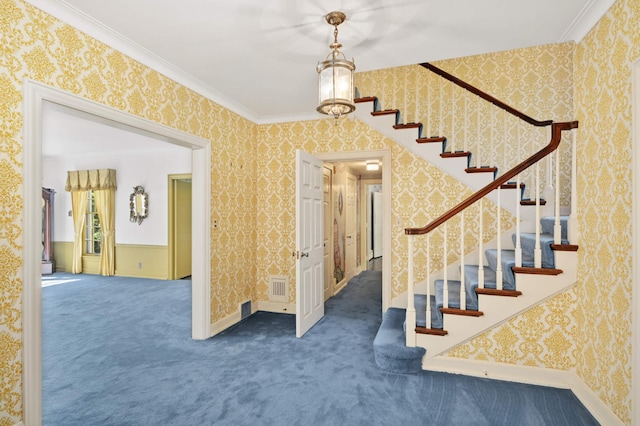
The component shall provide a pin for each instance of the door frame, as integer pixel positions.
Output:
(635, 244)
(34, 95)
(171, 219)
(384, 155)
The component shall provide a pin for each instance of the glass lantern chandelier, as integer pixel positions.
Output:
(335, 76)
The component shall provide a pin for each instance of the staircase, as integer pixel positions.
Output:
(461, 301)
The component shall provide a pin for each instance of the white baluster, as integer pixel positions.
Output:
(417, 92)
(463, 291)
(499, 248)
(572, 226)
(411, 308)
(453, 119)
(479, 129)
(537, 251)
(428, 324)
(466, 123)
(405, 113)
(480, 246)
(429, 100)
(505, 141)
(557, 228)
(445, 287)
(492, 143)
(518, 250)
(440, 121)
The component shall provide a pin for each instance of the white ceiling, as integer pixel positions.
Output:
(258, 58)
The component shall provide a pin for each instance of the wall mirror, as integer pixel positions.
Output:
(138, 205)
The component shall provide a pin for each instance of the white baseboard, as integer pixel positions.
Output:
(531, 375)
(224, 323)
(277, 307)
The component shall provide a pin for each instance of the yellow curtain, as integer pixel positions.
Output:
(106, 207)
(103, 183)
(78, 208)
(84, 180)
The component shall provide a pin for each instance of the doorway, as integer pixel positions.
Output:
(179, 234)
(383, 157)
(35, 94)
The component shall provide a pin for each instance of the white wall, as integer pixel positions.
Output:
(148, 170)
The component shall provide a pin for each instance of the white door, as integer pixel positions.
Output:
(309, 242)
(377, 224)
(350, 256)
(327, 173)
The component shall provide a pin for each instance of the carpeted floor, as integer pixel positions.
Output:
(118, 351)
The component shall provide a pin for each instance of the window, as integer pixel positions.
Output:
(92, 229)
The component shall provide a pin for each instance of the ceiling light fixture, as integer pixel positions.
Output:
(373, 166)
(335, 76)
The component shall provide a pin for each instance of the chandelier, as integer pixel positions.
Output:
(335, 76)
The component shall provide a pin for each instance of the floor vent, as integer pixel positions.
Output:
(278, 289)
(245, 309)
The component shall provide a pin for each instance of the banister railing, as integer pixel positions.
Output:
(485, 96)
(556, 136)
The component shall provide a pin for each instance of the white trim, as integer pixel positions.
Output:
(385, 156)
(586, 19)
(277, 307)
(635, 243)
(34, 94)
(531, 375)
(226, 322)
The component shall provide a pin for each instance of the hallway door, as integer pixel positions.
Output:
(309, 242)
(351, 257)
(327, 174)
(377, 224)
(180, 226)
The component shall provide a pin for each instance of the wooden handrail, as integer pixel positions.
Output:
(487, 97)
(556, 136)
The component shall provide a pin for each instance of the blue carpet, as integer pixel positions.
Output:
(118, 351)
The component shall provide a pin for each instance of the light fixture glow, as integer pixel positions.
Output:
(372, 166)
(335, 76)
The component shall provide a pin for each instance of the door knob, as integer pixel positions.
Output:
(304, 254)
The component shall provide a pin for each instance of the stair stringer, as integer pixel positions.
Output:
(535, 289)
(454, 167)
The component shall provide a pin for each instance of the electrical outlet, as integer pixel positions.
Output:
(139, 265)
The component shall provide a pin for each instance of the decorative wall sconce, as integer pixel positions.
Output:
(138, 205)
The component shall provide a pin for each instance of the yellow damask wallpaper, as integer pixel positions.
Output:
(603, 104)
(37, 46)
(420, 192)
(587, 329)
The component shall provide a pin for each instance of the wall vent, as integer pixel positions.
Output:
(245, 309)
(278, 289)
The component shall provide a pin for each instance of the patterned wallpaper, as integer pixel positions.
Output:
(420, 193)
(592, 338)
(603, 66)
(38, 46)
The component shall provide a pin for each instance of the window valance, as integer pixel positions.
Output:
(84, 180)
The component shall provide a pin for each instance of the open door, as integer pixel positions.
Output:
(309, 242)
(377, 224)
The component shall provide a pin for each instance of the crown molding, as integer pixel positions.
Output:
(588, 17)
(90, 26)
